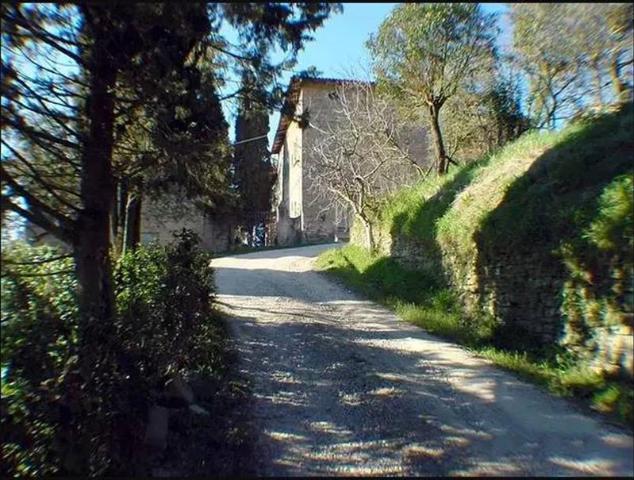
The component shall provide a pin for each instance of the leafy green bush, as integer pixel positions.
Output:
(52, 423)
(162, 296)
(39, 331)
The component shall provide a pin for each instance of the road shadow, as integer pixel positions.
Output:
(337, 396)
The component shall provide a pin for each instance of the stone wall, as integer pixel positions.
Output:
(162, 217)
(522, 291)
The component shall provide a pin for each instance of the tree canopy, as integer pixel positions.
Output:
(569, 54)
(426, 53)
(254, 174)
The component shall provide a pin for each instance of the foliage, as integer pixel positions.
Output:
(164, 324)
(478, 122)
(598, 292)
(424, 54)
(161, 296)
(99, 95)
(567, 52)
(39, 329)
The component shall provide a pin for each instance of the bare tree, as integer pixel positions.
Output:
(569, 54)
(364, 152)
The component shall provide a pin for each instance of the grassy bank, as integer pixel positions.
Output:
(537, 241)
(422, 299)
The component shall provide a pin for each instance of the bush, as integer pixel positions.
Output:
(51, 422)
(39, 328)
(163, 295)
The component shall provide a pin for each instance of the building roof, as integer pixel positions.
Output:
(292, 96)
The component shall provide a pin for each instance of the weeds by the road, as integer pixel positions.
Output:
(422, 299)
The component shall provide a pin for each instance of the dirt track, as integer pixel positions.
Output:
(342, 387)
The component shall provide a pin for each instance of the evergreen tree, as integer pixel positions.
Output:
(136, 69)
(254, 174)
(96, 95)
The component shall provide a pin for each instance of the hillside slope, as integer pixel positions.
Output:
(536, 242)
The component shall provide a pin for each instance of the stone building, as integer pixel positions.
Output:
(300, 215)
(160, 219)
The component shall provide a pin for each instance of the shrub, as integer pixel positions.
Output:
(53, 423)
(39, 328)
(163, 298)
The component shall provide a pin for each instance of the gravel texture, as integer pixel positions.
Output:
(341, 386)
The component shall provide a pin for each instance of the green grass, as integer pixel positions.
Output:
(503, 199)
(415, 211)
(423, 300)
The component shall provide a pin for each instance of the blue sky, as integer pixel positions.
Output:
(339, 43)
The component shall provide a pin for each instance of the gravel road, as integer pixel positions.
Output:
(341, 386)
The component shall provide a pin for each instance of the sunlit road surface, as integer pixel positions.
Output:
(343, 387)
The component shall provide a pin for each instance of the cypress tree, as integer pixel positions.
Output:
(254, 174)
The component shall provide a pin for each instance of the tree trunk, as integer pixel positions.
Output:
(118, 216)
(132, 228)
(114, 220)
(439, 145)
(369, 233)
(617, 82)
(250, 239)
(91, 248)
(596, 68)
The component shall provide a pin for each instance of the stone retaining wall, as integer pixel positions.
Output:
(523, 291)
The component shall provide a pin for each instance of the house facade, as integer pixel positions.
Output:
(302, 216)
